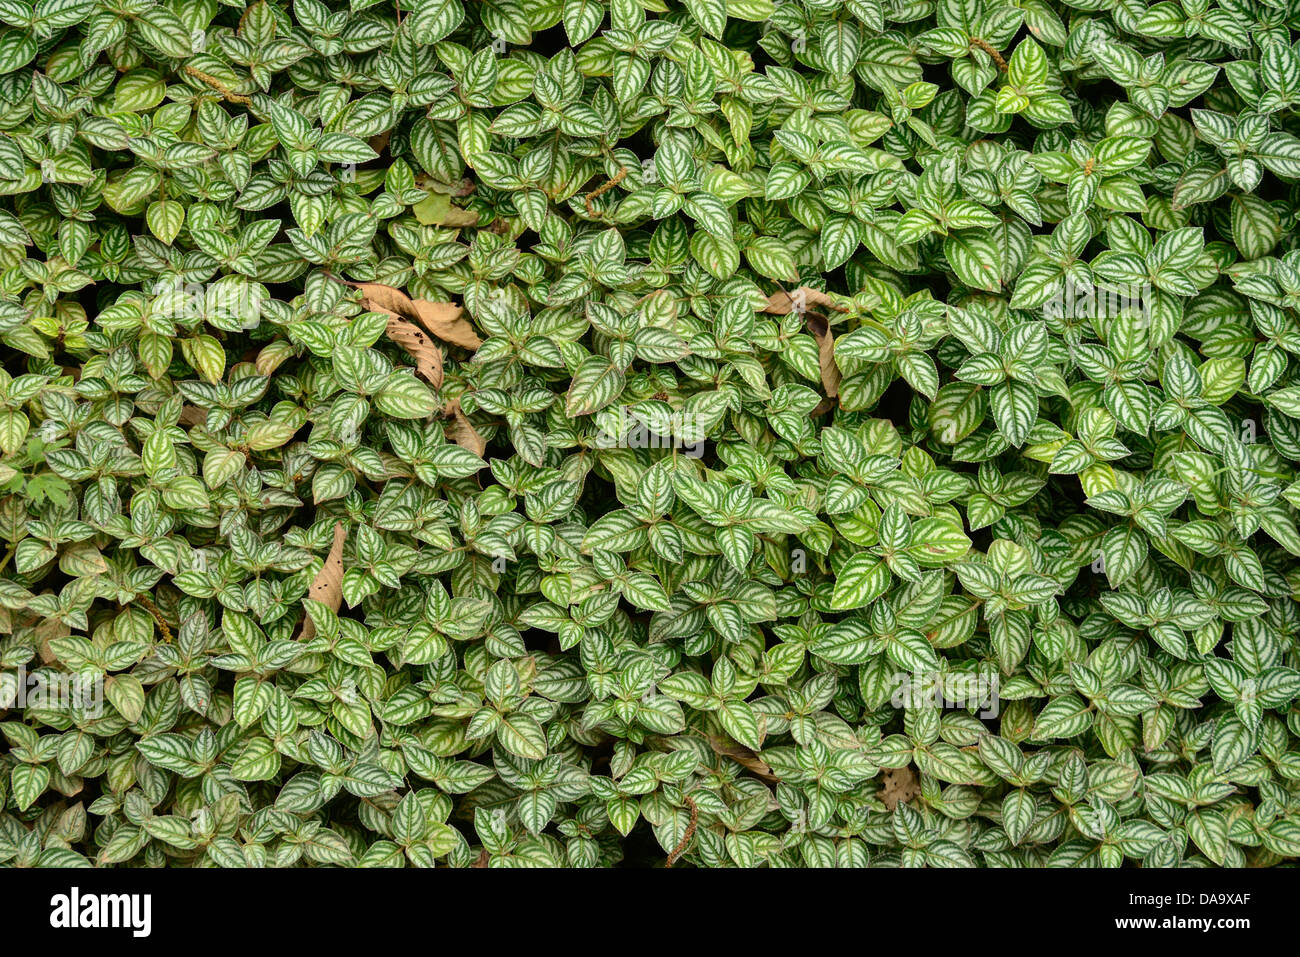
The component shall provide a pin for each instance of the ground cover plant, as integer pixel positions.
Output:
(582, 433)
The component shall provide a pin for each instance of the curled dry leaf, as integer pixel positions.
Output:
(899, 785)
(46, 631)
(743, 756)
(781, 303)
(445, 320)
(377, 296)
(822, 407)
(425, 352)
(193, 415)
(459, 189)
(821, 331)
(379, 142)
(462, 432)
(327, 586)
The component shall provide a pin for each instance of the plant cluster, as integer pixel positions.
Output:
(707, 433)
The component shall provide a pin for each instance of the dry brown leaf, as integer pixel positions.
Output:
(781, 303)
(46, 631)
(462, 431)
(821, 331)
(445, 320)
(743, 756)
(193, 415)
(425, 352)
(460, 217)
(379, 142)
(900, 786)
(383, 298)
(327, 586)
(459, 189)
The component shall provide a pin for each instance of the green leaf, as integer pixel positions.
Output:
(861, 580)
(596, 384)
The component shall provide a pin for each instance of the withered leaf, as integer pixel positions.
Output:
(46, 631)
(460, 217)
(445, 320)
(743, 756)
(193, 415)
(822, 407)
(899, 785)
(781, 303)
(425, 352)
(381, 298)
(379, 142)
(821, 331)
(459, 189)
(327, 586)
(462, 432)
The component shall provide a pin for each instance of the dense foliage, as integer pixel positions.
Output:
(582, 432)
